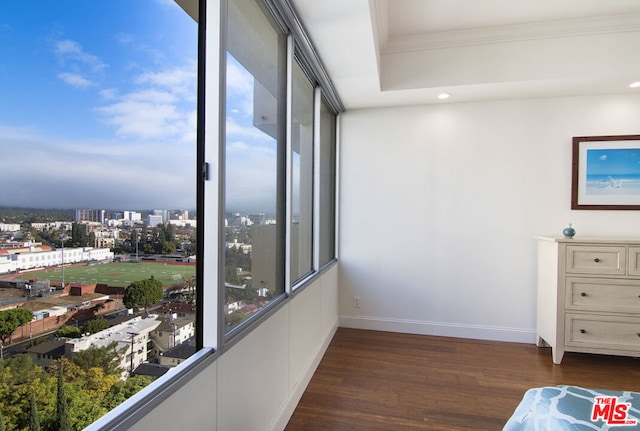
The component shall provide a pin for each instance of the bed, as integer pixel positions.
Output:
(571, 408)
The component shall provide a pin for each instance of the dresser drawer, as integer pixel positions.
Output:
(607, 295)
(606, 260)
(634, 260)
(602, 332)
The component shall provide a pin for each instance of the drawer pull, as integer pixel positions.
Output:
(596, 260)
(582, 331)
(583, 294)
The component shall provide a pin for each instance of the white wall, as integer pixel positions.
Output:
(439, 205)
(257, 383)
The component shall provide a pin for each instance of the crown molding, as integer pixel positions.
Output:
(503, 33)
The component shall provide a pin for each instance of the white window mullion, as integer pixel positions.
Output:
(289, 166)
(317, 101)
(213, 157)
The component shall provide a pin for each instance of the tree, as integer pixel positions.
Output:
(96, 325)
(122, 390)
(105, 358)
(12, 319)
(63, 421)
(20, 379)
(34, 420)
(1, 424)
(143, 293)
(68, 332)
(79, 237)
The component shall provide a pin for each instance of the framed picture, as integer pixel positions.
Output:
(606, 173)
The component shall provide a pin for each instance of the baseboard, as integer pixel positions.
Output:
(296, 394)
(443, 329)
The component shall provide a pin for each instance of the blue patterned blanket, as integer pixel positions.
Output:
(571, 408)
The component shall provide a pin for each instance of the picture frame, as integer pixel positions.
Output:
(605, 173)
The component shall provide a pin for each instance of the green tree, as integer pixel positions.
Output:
(79, 237)
(63, 421)
(96, 325)
(68, 332)
(143, 293)
(34, 420)
(12, 319)
(20, 379)
(122, 390)
(106, 358)
(1, 424)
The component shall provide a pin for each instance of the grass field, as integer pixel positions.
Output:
(116, 274)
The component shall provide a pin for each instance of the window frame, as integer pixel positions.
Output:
(211, 341)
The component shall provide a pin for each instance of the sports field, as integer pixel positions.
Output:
(116, 274)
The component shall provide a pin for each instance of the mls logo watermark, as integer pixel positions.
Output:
(609, 410)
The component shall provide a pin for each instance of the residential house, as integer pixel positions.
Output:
(44, 354)
(170, 333)
(131, 338)
(177, 355)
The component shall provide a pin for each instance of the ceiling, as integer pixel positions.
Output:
(403, 52)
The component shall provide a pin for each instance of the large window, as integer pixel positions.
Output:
(327, 185)
(98, 121)
(301, 157)
(98, 142)
(278, 164)
(254, 161)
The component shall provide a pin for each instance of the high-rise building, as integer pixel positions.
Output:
(154, 220)
(90, 215)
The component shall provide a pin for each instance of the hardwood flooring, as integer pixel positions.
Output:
(369, 380)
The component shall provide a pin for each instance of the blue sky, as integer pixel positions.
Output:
(97, 104)
(619, 161)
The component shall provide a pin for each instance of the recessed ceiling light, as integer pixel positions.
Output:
(444, 96)
(635, 84)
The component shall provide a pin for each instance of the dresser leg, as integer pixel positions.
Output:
(541, 342)
(557, 355)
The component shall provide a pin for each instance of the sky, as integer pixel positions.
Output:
(618, 161)
(97, 104)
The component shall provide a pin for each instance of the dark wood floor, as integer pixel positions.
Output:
(370, 380)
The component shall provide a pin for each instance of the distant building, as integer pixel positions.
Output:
(9, 227)
(132, 216)
(44, 354)
(57, 225)
(162, 213)
(154, 220)
(179, 354)
(105, 238)
(18, 259)
(171, 332)
(151, 370)
(131, 338)
(90, 215)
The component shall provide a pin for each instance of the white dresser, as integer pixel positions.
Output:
(589, 295)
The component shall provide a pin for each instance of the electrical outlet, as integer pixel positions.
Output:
(356, 302)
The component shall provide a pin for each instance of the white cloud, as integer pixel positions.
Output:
(109, 93)
(75, 80)
(160, 107)
(71, 51)
(65, 173)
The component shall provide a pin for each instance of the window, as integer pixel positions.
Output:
(98, 110)
(278, 183)
(327, 183)
(301, 156)
(129, 111)
(254, 161)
